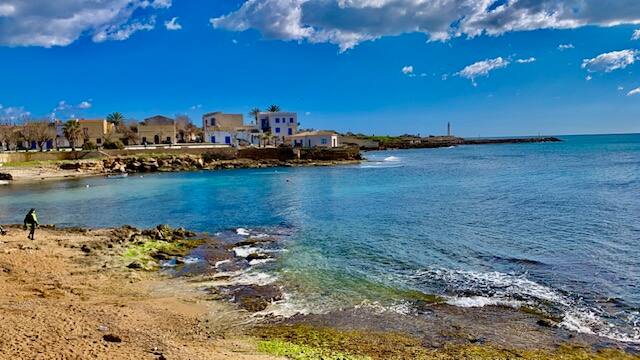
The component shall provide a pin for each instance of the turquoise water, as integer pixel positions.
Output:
(554, 225)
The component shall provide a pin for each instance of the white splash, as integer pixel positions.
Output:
(243, 232)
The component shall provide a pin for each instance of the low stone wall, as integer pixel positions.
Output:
(280, 153)
(333, 154)
(224, 152)
(47, 156)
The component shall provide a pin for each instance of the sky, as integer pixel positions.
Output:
(491, 68)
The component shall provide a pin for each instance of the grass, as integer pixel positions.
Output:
(302, 352)
(145, 251)
(308, 342)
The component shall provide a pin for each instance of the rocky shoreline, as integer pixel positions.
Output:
(130, 293)
(150, 164)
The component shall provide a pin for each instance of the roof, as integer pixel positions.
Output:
(314, 133)
(91, 120)
(220, 112)
(158, 120)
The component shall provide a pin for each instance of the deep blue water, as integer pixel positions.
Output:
(554, 224)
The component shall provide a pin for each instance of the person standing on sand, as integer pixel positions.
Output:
(31, 221)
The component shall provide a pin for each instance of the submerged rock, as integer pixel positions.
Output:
(252, 298)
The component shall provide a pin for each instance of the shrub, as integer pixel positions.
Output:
(113, 145)
(89, 145)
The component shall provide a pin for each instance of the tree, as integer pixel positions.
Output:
(9, 137)
(72, 132)
(254, 113)
(40, 132)
(116, 118)
(273, 108)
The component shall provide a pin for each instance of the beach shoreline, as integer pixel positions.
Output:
(98, 293)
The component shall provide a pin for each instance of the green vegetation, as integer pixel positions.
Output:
(72, 132)
(301, 352)
(307, 342)
(89, 145)
(146, 252)
(116, 118)
(113, 145)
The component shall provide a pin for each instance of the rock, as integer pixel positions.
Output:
(112, 338)
(252, 298)
(257, 256)
(85, 248)
(6, 176)
(547, 323)
(135, 265)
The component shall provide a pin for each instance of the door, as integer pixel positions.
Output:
(227, 139)
(156, 139)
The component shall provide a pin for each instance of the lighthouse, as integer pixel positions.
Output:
(448, 129)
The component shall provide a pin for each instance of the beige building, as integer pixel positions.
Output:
(158, 130)
(219, 128)
(95, 130)
(310, 139)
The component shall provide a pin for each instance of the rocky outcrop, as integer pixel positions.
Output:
(6, 176)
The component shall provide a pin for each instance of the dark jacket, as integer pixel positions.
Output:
(31, 219)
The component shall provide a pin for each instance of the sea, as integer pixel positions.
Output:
(548, 225)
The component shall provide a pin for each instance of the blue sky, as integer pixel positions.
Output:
(132, 63)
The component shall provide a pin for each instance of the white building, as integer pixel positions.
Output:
(310, 139)
(279, 124)
(229, 129)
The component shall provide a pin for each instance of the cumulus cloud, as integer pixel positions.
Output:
(407, 70)
(13, 114)
(482, 68)
(61, 22)
(633, 92)
(526, 61)
(563, 47)
(636, 35)
(350, 22)
(172, 24)
(611, 61)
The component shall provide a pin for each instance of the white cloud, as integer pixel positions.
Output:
(173, 24)
(620, 88)
(407, 70)
(61, 22)
(12, 114)
(563, 47)
(633, 92)
(526, 61)
(636, 35)
(482, 68)
(84, 105)
(611, 61)
(196, 107)
(64, 109)
(7, 9)
(123, 32)
(588, 78)
(350, 22)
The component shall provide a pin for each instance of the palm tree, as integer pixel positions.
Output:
(254, 113)
(115, 118)
(273, 108)
(72, 132)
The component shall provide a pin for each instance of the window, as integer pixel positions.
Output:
(323, 141)
(277, 120)
(168, 139)
(98, 141)
(277, 130)
(290, 131)
(213, 121)
(213, 139)
(291, 120)
(227, 139)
